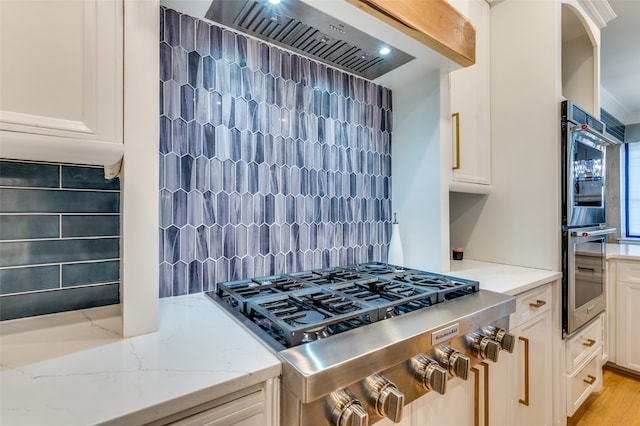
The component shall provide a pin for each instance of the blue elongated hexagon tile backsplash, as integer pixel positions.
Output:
(269, 162)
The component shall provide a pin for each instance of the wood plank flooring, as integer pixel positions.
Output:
(618, 403)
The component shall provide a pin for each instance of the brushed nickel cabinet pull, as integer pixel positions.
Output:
(538, 304)
(525, 401)
(456, 117)
(590, 379)
(589, 343)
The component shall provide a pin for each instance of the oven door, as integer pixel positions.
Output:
(585, 186)
(586, 297)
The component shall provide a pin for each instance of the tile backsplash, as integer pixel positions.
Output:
(59, 238)
(269, 162)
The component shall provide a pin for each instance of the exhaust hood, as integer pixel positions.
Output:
(303, 29)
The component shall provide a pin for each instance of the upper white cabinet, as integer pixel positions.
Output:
(470, 109)
(61, 74)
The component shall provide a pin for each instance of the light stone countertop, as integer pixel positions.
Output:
(501, 278)
(198, 355)
(623, 251)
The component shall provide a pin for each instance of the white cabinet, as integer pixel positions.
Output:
(470, 108)
(530, 393)
(255, 406)
(627, 321)
(61, 74)
(583, 356)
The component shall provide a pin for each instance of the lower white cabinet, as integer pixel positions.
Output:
(583, 359)
(254, 406)
(530, 395)
(623, 316)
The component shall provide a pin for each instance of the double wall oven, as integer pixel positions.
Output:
(584, 228)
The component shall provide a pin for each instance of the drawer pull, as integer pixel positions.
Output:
(538, 304)
(589, 343)
(590, 379)
(525, 401)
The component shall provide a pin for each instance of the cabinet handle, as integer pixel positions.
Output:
(476, 394)
(456, 117)
(525, 401)
(538, 304)
(582, 268)
(589, 343)
(590, 379)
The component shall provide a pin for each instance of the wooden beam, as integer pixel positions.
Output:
(434, 23)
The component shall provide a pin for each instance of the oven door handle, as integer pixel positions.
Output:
(587, 234)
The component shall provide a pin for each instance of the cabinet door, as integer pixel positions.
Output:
(628, 351)
(61, 77)
(531, 395)
(470, 109)
(455, 407)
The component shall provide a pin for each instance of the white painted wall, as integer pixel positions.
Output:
(417, 184)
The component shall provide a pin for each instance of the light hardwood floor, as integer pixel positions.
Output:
(617, 404)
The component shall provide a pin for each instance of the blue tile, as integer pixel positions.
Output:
(187, 173)
(216, 242)
(228, 241)
(187, 102)
(195, 277)
(187, 32)
(195, 208)
(195, 138)
(222, 209)
(203, 38)
(235, 80)
(171, 101)
(235, 202)
(209, 275)
(216, 175)
(171, 245)
(47, 302)
(209, 141)
(241, 241)
(208, 73)
(166, 280)
(202, 174)
(209, 209)
(165, 135)
(162, 12)
(202, 243)
(20, 227)
(187, 244)
(90, 226)
(194, 69)
(172, 170)
(179, 64)
(215, 41)
(172, 27)
(90, 273)
(166, 62)
(18, 280)
(180, 208)
(180, 280)
(58, 201)
(179, 137)
(56, 251)
(29, 175)
(166, 208)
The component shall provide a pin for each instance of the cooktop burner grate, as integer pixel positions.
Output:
(311, 305)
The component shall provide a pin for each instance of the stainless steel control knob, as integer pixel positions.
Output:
(454, 361)
(347, 410)
(386, 397)
(506, 340)
(429, 373)
(484, 347)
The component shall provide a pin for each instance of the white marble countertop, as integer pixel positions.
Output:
(623, 251)
(501, 278)
(199, 354)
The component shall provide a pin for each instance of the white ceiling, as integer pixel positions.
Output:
(620, 58)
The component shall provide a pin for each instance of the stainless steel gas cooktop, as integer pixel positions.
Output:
(359, 342)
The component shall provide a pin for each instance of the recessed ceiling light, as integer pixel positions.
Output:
(384, 51)
(275, 1)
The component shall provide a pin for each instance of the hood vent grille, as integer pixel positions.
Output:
(303, 29)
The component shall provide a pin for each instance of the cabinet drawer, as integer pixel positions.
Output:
(246, 410)
(531, 304)
(629, 272)
(584, 344)
(580, 385)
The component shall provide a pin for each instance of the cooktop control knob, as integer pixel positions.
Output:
(454, 361)
(484, 347)
(429, 373)
(347, 410)
(506, 340)
(386, 397)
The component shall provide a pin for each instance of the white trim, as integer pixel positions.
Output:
(599, 11)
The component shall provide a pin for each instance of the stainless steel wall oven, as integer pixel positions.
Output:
(583, 217)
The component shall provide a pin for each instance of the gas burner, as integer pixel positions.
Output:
(375, 268)
(329, 276)
(314, 334)
(307, 317)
